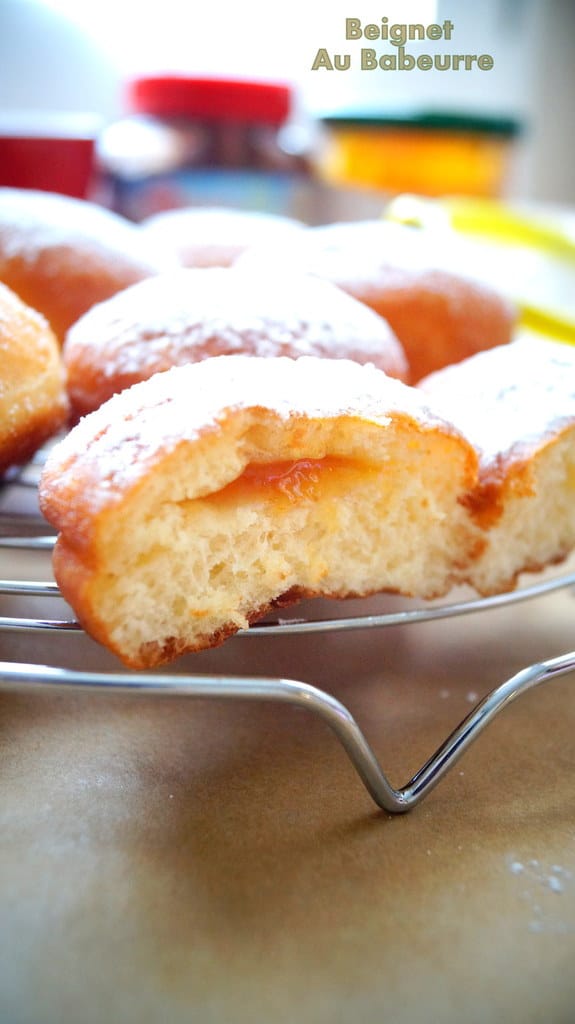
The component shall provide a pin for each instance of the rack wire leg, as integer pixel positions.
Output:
(331, 711)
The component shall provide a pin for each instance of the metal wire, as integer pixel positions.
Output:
(288, 627)
(23, 677)
(302, 695)
(34, 543)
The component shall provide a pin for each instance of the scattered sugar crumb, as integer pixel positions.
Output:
(554, 884)
(444, 694)
(557, 869)
(472, 696)
(538, 882)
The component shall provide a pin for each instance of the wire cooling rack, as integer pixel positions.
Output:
(23, 529)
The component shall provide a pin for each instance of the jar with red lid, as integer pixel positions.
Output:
(202, 141)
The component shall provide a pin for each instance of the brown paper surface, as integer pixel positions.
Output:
(170, 859)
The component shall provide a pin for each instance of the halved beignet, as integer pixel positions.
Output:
(192, 502)
(516, 404)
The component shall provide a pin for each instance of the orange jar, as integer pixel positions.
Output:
(431, 154)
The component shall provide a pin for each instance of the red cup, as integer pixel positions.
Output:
(50, 153)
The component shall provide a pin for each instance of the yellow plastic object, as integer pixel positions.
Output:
(429, 163)
(528, 256)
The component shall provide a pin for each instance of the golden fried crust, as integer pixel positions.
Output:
(439, 316)
(33, 401)
(441, 319)
(62, 255)
(191, 315)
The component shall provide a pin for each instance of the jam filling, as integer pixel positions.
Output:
(291, 480)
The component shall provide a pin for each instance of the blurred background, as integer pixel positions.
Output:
(74, 57)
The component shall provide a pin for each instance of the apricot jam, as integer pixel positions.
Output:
(291, 481)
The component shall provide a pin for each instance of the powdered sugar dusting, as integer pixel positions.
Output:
(510, 399)
(382, 250)
(32, 223)
(191, 315)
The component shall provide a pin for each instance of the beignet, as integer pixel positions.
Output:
(215, 236)
(440, 314)
(62, 255)
(191, 315)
